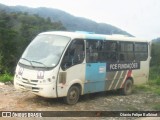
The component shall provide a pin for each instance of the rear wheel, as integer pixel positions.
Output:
(72, 95)
(128, 85)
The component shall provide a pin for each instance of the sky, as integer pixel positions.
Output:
(140, 18)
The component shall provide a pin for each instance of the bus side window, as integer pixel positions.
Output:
(92, 51)
(74, 54)
(141, 51)
(101, 51)
(110, 51)
(126, 51)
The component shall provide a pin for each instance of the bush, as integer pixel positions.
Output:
(156, 107)
(6, 77)
(154, 75)
(153, 84)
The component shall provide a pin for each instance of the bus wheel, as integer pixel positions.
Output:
(127, 87)
(72, 95)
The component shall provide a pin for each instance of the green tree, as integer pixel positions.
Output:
(16, 31)
(155, 54)
(8, 41)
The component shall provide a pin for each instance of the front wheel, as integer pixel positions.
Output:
(72, 95)
(128, 85)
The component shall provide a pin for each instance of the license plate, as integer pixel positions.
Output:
(28, 87)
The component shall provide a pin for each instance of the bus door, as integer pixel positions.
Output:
(98, 76)
(72, 67)
(95, 74)
(95, 77)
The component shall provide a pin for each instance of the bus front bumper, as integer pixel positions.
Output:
(45, 90)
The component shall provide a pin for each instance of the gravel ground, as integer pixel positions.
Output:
(13, 100)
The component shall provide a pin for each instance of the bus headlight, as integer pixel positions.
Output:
(17, 77)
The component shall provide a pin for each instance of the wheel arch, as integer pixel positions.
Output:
(79, 86)
(73, 93)
(77, 83)
(130, 78)
(127, 86)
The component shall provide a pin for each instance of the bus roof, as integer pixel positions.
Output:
(92, 36)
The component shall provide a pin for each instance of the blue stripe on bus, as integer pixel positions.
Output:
(95, 77)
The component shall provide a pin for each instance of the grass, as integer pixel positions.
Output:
(156, 106)
(6, 77)
(149, 88)
(154, 79)
(153, 85)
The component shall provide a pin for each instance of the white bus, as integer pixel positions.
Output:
(70, 64)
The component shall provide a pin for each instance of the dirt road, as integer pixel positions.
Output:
(13, 100)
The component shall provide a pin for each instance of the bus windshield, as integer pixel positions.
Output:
(44, 51)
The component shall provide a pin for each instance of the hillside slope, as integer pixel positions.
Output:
(72, 23)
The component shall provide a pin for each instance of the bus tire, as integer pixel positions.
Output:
(128, 85)
(72, 95)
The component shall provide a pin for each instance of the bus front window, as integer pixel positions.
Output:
(44, 51)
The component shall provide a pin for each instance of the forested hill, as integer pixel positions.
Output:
(72, 23)
(156, 40)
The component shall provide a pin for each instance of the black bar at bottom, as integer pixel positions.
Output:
(79, 113)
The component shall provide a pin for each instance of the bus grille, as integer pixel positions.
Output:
(29, 82)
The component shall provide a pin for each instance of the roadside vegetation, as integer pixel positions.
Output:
(6, 77)
(153, 84)
(17, 29)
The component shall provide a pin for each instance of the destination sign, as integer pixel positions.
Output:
(123, 66)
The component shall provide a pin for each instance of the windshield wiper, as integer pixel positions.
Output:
(34, 62)
(28, 61)
(40, 63)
